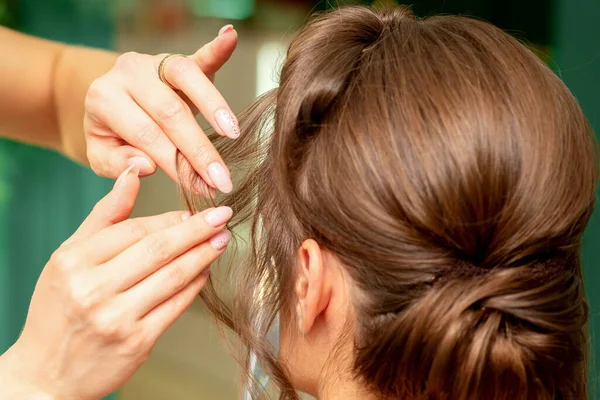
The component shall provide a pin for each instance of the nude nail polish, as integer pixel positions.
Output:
(218, 174)
(218, 216)
(227, 123)
(144, 166)
(225, 29)
(132, 169)
(220, 240)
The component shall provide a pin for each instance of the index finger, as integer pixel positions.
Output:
(178, 124)
(160, 248)
(185, 75)
(106, 244)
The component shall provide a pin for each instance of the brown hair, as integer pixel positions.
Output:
(452, 174)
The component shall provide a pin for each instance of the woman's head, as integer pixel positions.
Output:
(417, 191)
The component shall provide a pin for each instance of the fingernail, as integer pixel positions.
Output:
(132, 169)
(218, 174)
(218, 216)
(186, 215)
(144, 166)
(225, 29)
(227, 123)
(220, 240)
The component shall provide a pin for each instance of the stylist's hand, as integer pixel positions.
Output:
(132, 117)
(110, 291)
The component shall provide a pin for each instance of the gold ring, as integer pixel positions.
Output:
(163, 64)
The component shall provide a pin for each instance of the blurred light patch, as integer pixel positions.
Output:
(226, 9)
(269, 61)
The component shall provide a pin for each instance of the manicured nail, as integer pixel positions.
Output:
(218, 174)
(144, 166)
(219, 216)
(220, 240)
(225, 29)
(186, 215)
(132, 169)
(227, 123)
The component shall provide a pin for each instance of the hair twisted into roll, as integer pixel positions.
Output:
(452, 173)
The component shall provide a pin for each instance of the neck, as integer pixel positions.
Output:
(344, 390)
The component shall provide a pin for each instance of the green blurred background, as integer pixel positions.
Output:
(44, 197)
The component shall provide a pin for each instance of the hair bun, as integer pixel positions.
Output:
(489, 328)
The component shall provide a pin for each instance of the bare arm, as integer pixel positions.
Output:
(42, 89)
(113, 111)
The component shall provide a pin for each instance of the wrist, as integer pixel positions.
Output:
(60, 79)
(75, 70)
(16, 382)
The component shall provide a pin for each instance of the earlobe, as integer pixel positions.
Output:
(311, 288)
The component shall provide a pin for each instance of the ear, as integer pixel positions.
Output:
(313, 287)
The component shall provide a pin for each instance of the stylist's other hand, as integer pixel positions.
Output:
(132, 117)
(110, 291)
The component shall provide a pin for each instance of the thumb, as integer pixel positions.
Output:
(110, 156)
(212, 56)
(125, 156)
(115, 207)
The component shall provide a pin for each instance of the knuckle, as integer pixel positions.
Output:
(136, 228)
(180, 303)
(128, 61)
(94, 94)
(107, 326)
(176, 279)
(83, 295)
(65, 260)
(180, 66)
(203, 154)
(136, 345)
(148, 133)
(157, 248)
(172, 111)
(99, 98)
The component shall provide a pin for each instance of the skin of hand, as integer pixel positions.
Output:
(132, 117)
(106, 296)
(113, 111)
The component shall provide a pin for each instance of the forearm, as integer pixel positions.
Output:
(76, 69)
(26, 105)
(42, 91)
